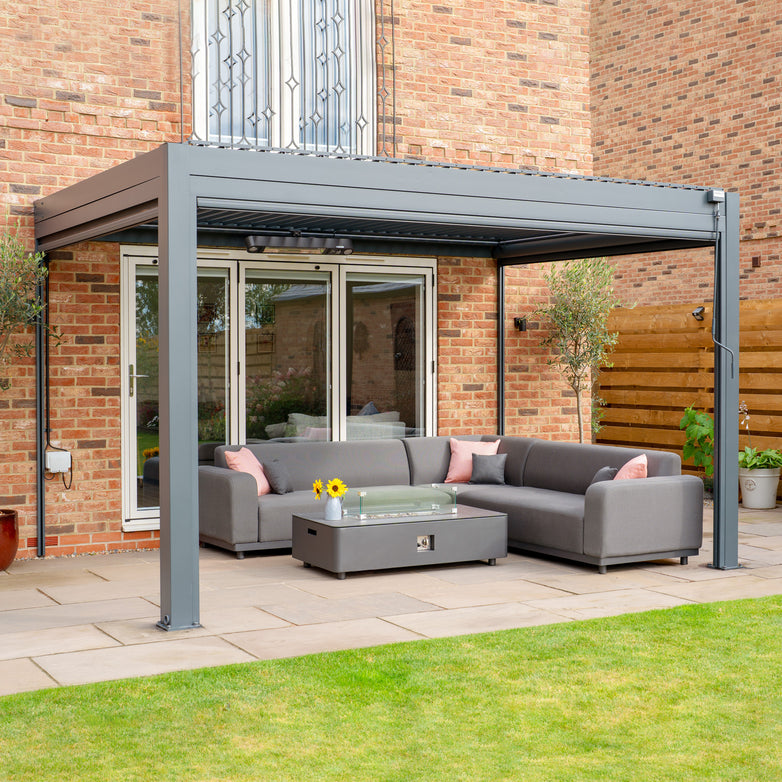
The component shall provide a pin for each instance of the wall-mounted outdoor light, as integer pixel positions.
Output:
(520, 324)
(329, 245)
(697, 313)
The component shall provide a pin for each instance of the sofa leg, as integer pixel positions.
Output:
(684, 560)
(602, 569)
(240, 554)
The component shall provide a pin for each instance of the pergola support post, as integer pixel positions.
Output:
(179, 599)
(726, 386)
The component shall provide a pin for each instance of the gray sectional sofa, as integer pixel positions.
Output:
(552, 505)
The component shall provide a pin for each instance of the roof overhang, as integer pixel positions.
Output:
(514, 216)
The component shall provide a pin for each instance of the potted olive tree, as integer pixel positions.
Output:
(21, 274)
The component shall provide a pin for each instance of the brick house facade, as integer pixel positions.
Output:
(684, 92)
(81, 92)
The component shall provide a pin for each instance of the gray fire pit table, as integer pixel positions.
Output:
(388, 539)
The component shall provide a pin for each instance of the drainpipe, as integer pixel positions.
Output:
(40, 434)
(500, 349)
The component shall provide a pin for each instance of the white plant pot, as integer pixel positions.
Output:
(759, 488)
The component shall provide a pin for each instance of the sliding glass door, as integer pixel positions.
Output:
(385, 353)
(286, 351)
(287, 355)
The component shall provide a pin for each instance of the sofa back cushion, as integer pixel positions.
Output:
(570, 467)
(364, 463)
(430, 457)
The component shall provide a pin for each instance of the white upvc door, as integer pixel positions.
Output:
(287, 349)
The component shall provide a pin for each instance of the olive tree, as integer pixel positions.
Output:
(21, 274)
(582, 297)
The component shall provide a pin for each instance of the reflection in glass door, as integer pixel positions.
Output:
(142, 380)
(287, 388)
(384, 355)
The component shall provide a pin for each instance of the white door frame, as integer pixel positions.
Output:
(238, 263)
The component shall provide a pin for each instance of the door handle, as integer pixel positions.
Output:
(132, 380)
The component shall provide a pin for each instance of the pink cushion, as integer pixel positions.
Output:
(460, 468)
(635, 468)
(244, 460)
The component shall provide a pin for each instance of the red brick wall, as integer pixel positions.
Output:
(84, 87)
(504, 84)
(690, 92)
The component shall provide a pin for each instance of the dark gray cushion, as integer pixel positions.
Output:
(488, 468)
(369, 409)
(605, 474)
(277, 475)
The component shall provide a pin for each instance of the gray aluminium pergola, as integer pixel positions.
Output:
(183, 191)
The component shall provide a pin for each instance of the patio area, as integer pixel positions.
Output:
(92, 618)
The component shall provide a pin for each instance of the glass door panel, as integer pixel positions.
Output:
(287, 354)
(384, 332)
(143, 387)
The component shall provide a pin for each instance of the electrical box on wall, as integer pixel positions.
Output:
(58, 461)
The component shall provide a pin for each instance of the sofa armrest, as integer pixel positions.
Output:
(643, 516)
(227, 505)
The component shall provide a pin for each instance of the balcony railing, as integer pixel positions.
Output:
(303, 75)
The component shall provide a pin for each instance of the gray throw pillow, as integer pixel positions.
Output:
(488, 468)
(369, 409)
(277, 475)
(604, 474)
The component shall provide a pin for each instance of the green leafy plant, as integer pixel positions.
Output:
(699, 439)
(582, 297)
(21, 275)
(753, 459)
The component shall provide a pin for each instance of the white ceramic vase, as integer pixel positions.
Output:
(333, 510)
(759, 488)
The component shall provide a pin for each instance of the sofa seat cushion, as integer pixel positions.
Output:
(538, 517)
(275, 511)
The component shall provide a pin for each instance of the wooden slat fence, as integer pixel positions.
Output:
(664, 361)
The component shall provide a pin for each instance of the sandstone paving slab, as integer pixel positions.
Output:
(598, 604)
(725, 589)
(145, 630)
(75, 614)
(263, 594)
(476, 619)
(103, 590)
(311, 639)
(122, 662)
(770, 542)
(22, 676)
(315, 610)
(768, 528)
(128, 571)
(465, 595)
(30, 643)
(755, 555)
(772, 571)
(239, 618)
(479, 573)
(692, 572)
(12, 599)
(53, 578)
(615, 579)
(257, 576)
(358, 584)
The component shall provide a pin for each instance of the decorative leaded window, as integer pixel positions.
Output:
(292, 74)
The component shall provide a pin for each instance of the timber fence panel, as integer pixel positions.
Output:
(664, 361)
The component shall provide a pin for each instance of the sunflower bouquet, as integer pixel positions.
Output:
(334, 488)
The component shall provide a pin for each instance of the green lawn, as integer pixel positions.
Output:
(691, 693)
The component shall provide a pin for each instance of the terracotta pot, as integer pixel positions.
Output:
(9, 537)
